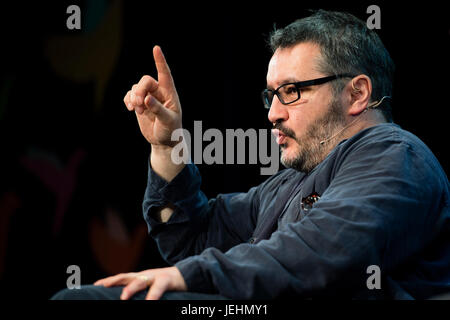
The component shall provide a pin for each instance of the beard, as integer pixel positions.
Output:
(311, 152)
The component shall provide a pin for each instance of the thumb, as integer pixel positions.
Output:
(157, 289)
(154, 106)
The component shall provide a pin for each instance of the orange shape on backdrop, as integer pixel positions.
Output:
(115, 250)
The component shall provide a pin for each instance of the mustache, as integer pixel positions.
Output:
(286, 131)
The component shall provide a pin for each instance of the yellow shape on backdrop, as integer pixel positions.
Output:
(91, 56)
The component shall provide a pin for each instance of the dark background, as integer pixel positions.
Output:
(73, 163)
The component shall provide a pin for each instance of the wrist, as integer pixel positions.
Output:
(162, 163)
(180, 284)
(160, 148)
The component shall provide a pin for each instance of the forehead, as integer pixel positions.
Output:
(298, 62)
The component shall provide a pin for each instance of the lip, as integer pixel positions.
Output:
(281, 138)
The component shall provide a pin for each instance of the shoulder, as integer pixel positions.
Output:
(388, 134)
(389, 146)
(387, 137)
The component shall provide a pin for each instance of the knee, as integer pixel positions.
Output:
(89, 292)
(65, 294)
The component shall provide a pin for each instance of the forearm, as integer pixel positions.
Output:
(163, 214)
(172, 209)
(196, 222)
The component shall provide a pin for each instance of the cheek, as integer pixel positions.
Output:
(299, 122)
(306, 114)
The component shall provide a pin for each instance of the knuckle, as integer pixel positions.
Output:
(146, 78)
(133, 89)
(140, 92)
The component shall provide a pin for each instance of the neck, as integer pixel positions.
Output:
(363, 121)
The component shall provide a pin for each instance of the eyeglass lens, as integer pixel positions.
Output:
(287, 94)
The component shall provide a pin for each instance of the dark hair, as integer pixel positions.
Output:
(347, 46)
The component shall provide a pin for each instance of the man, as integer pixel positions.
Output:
(359, 194)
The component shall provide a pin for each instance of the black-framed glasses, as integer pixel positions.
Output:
(290, 92)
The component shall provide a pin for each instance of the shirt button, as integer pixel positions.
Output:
(252, 240)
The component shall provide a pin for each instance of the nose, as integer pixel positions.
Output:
(277, 112)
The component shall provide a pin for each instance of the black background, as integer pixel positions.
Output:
(218, 57)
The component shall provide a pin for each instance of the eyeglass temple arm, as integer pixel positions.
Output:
(322, 80)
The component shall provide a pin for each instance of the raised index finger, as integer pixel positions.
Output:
(164, 75)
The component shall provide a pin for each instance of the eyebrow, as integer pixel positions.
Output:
(288, 80)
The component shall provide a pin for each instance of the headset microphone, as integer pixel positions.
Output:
(373, 105)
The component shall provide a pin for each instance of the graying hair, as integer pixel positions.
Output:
(347, 46)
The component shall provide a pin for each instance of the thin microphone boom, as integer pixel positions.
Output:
(373, 105)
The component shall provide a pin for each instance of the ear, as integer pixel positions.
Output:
(359, 90)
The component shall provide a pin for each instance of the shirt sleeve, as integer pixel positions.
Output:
(380, 209)
(197, 222)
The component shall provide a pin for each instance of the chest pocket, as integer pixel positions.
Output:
(308, 196)
(300, 205)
